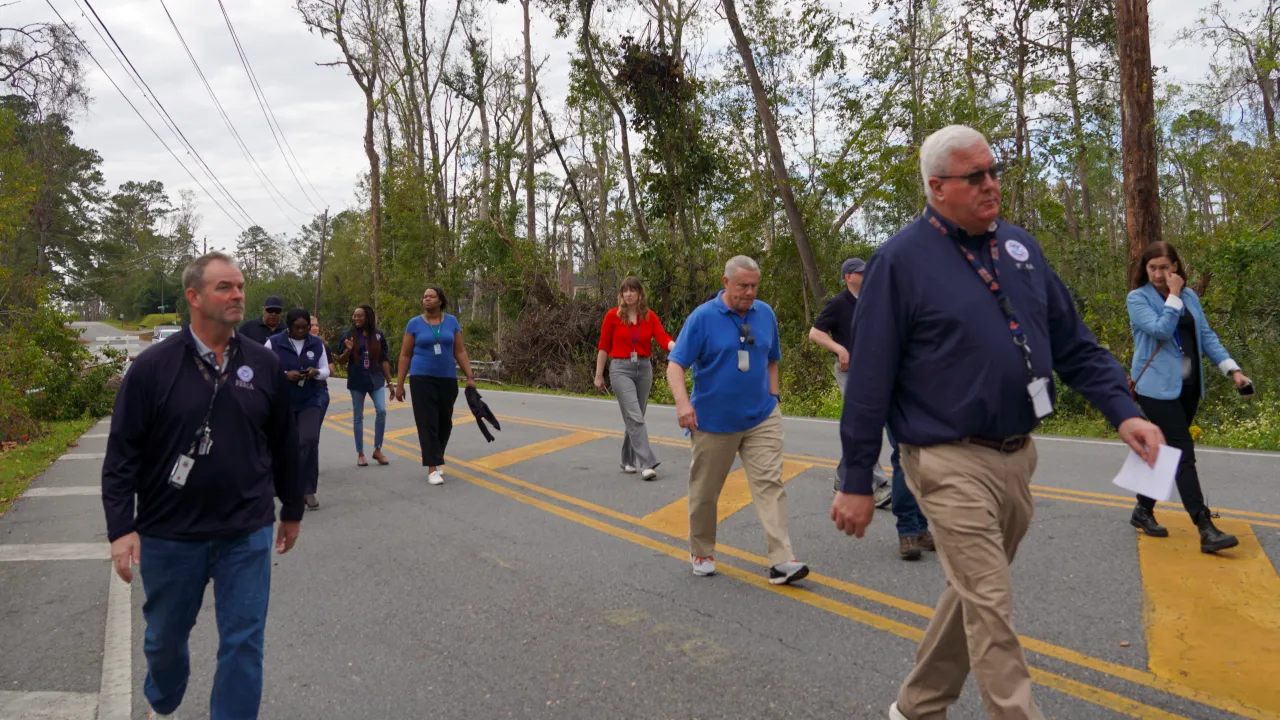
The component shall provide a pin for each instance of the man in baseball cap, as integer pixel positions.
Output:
(261, 328)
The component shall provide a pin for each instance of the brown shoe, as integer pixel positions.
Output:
(380, 458)
(909, 547)
(926, 542)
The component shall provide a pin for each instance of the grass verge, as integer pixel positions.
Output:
(21, 465)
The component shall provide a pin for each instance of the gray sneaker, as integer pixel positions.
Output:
(883, 494)
(787, 572)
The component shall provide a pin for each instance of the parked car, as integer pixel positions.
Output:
(163, 331)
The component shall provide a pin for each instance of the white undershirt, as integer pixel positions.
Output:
(323, 367)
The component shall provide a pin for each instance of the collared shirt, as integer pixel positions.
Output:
(258, 331)
(208, 354)
(360, 377)
(934, 354)
(231, 491)
(836, 318)
(620, 339)
(727, 399)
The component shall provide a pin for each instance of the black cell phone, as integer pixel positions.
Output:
(1247, 390)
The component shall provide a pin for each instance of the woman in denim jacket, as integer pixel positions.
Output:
(1170, 335)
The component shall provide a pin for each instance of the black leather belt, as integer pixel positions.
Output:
(1008, 445)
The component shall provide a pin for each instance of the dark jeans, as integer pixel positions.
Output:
(309, 421)
(1174, 418)
(174, 576)
(911, 520)
(433, 400)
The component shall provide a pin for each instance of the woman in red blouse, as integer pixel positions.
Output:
(627, 337)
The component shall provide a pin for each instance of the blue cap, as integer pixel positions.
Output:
(852, 265)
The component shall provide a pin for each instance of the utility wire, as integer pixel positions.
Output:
(154, 99)
(141, 117)
(267, 111)
(244, 149)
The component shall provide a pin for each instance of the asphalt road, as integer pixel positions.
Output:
(541, 582)
(100, 335)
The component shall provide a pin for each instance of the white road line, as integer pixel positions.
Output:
(83, 456)
(47, 492)
(827, 421)
(94, 436)
(117, 655)
(47, 705)
(54, 551)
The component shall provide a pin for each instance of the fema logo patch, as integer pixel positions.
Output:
(1017, 250)
(311, 353)
(245, 373)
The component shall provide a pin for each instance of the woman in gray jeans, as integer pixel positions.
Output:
(627, 336)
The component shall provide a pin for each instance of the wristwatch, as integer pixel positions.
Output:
(776, 396)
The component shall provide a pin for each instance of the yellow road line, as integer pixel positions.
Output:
(528, 452)
(1209, 619)
(1123, 672)
(1113, 701)
(673, 519)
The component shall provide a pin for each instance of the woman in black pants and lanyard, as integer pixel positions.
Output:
(431, 346)
(1170, 335)
(305, 365)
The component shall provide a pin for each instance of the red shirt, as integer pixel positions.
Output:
(621, 340)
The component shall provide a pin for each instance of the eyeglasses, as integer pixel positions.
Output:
(975, 178)
(272, 311)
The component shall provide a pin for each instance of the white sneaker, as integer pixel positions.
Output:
(895, 713)
(703, 566)
(629, 469)
(153, 715)
(436, 478)
(649, 474)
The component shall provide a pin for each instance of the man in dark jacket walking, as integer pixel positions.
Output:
(203, 435)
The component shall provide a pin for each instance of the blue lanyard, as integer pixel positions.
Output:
(992, 281)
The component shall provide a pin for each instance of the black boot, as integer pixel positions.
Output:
(1145, 520)
(1211, 538)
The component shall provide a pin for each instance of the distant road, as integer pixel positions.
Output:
(101, 335)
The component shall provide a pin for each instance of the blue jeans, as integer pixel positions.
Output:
(174, 576)
(379, 417)
(911, 521)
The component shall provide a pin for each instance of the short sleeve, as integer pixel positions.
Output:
(775, 351)
(689, 343)
(412, 327)
(827, 319)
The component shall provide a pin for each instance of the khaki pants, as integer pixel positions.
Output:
(761, 452)
(978, 502)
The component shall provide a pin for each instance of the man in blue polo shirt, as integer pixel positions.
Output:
(959, 328)
(731, 342)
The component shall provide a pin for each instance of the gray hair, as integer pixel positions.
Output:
(740, 262)
(937, 149)
(193, 275)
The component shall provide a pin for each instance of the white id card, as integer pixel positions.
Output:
(436, 348)
(744, 361)
(1038, 389)
(182, 468)
(635, 356)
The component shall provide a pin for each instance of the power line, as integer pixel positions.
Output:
(142, 117)
(154, 100)
(244, 149)
(266, 109)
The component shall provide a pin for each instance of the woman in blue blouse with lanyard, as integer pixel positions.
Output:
(431, 345)
(363, 349)
(304, 363)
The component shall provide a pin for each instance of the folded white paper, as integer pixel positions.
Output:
(1154, 482)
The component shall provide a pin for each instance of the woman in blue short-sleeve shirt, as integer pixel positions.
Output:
(431, 346)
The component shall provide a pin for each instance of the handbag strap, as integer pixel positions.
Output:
(1149, 360)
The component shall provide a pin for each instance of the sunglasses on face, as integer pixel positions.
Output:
(272, 311)
(975, 178)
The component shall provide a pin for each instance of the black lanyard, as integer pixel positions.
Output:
(744, 329)
(992, 281)
(203, 366)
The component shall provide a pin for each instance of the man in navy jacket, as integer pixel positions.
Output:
(960, 325)
(203, 435)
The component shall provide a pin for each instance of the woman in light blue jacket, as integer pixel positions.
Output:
(1170, 335)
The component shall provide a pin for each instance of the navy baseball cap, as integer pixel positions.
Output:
(275, 303)
(852, 265)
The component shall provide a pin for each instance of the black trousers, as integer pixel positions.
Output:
(1174, 418)
(309, 421)
(433, 400)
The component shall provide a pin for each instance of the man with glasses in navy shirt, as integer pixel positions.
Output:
(731, 342)
(959, 328)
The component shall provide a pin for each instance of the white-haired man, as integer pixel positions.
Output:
(731, 341)
(961, 324)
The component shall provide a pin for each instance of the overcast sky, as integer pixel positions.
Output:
(320, 109)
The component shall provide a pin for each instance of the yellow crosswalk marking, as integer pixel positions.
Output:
(674, 518)
(528, 452)
(1211, 619)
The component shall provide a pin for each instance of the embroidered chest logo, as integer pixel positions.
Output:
(244, 377)
(1017, 250)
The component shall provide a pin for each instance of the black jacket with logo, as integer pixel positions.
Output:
(253, 460)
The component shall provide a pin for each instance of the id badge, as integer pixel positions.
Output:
(366, 363)
(205, 445)
(1038, 389)
(635, 356)
(182, 468)
(436, 348)
(744, 361)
